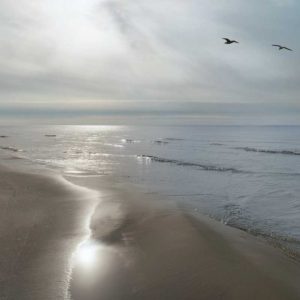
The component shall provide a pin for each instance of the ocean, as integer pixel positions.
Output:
(245, 176)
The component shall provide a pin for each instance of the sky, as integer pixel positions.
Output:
(141, 61)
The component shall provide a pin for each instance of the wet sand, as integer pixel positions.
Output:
(138, 247)
(42, 220)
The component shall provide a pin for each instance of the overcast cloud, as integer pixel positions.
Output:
(86, 59)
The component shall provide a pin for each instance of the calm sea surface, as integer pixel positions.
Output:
(247, 177)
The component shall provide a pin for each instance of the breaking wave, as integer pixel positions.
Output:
(189, 164)
(268, 151)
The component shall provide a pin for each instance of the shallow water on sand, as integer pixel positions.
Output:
(247, 177)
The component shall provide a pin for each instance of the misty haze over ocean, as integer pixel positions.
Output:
(132, 132)
(129, 62)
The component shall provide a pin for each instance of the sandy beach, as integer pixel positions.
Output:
(95, 239)
(42, 221)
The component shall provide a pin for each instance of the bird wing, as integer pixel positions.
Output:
(227, 40)
(276, 46)
(287, 48)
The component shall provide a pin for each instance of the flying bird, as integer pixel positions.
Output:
(282, 47)
(228, 41)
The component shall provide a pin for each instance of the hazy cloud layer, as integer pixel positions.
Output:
(126, 57)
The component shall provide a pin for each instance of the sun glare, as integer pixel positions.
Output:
(86, 254)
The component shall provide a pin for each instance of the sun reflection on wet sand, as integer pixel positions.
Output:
(100, 267)
(99, 270)
(86, 254)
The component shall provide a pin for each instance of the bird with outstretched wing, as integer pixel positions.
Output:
(282, 47)
(228, 41)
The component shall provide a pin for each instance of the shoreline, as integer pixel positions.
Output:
(167, 264)
(43, 218)
(137, 246)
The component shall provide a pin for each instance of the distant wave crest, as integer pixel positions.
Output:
(216, 144)
(8, 148)
(285, 152)
(190, 164)
(173, 139)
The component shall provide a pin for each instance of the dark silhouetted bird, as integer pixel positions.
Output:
(228, 41)
(282, 47)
